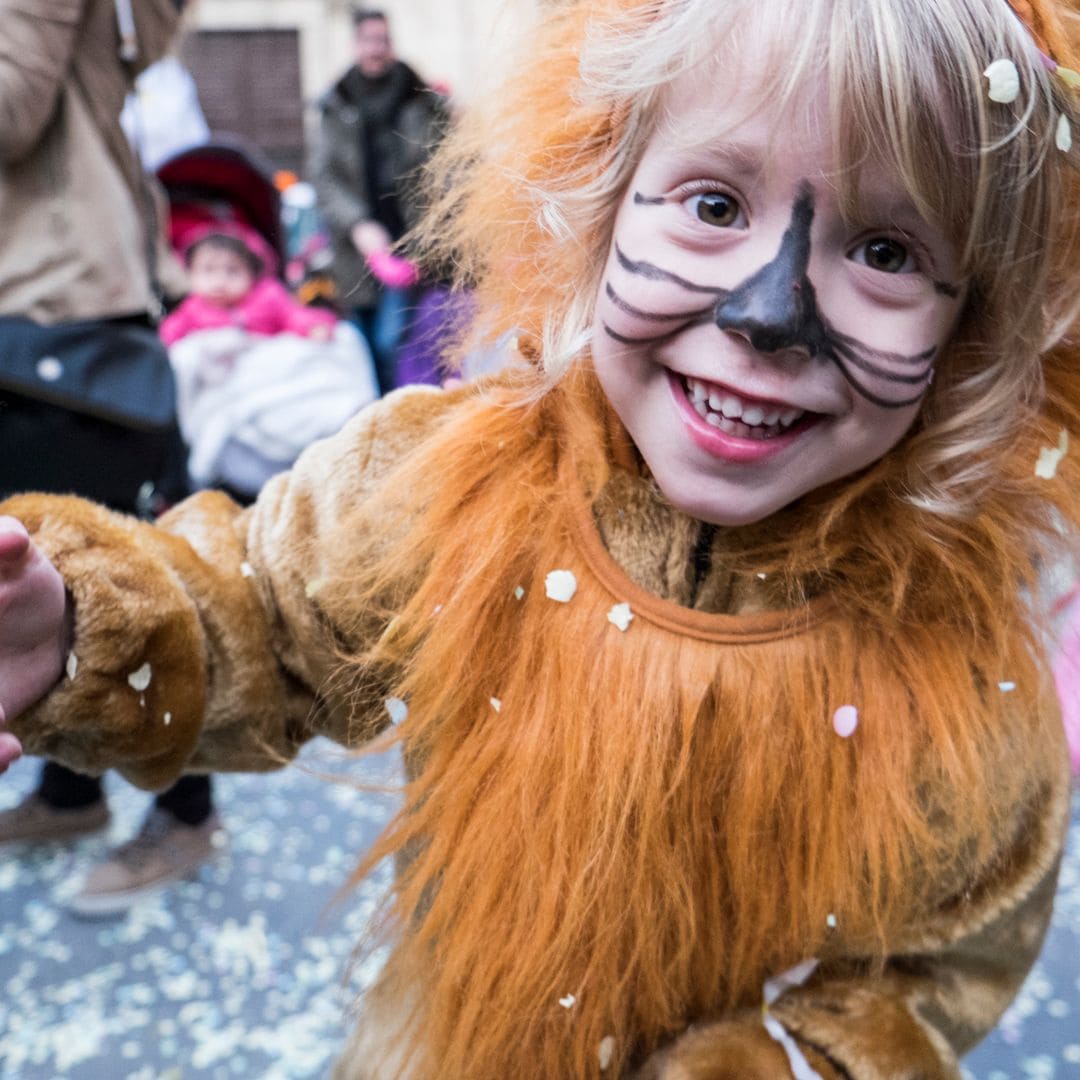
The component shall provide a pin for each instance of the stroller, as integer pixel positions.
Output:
(248, 404)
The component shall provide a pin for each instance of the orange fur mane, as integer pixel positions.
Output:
(651, 822)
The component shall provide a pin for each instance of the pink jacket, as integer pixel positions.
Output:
(267, 309)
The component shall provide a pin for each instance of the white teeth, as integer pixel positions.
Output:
(731, 407)
(724, 410)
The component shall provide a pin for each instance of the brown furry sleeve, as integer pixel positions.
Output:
(935, 999)
(200, 643)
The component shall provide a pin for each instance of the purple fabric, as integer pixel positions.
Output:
(436, 318)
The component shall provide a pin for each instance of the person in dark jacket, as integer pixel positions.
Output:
(378, 123)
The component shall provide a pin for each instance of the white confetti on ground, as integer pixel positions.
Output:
(438, 608)
(397, 710)
(762, 575)
(496, 704)
(568, 1002)
(621, 616)
(1050, 457)
(247, 570)
(519, 592)
(830, 921)
(560, 585)
(1004, 81)
(606, 1052)
(72, 665)
(140, 679)
(312, 587)
(167, 719)
(1006, 687)
(845, 720)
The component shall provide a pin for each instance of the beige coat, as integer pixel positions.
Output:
(222, 613)
(73, 210)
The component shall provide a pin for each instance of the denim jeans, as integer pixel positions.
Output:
(383, 327)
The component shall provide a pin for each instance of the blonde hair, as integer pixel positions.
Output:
(534, 175)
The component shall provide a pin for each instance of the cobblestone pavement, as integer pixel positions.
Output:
(244, 971)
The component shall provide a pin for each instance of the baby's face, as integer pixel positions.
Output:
(223, 277)
(755, 344)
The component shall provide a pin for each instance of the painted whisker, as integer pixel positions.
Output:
(651, 316)
(655, 273)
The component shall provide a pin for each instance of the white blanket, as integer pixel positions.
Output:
(248, 404)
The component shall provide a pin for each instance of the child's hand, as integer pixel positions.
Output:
(33, 628)
(392, 270)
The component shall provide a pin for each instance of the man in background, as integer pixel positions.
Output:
(378, 123)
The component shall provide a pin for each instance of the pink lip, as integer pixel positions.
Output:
(721, 444)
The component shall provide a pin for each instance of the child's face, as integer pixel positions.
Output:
(754, 343)
(221, 276)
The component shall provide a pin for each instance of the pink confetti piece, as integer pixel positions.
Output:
(845, 720)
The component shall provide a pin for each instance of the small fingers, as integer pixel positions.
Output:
(14, 540)
(10, 750)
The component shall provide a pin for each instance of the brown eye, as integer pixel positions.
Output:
(716, 208)
(888, 256)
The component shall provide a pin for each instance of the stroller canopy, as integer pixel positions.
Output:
(223, 180)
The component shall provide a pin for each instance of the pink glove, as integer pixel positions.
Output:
(33, 628)
(391, 270)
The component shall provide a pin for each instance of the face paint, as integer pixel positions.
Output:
(776, 309)
(754, 342)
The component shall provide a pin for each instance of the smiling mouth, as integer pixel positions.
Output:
(743, 417)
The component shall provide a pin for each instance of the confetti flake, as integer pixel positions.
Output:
(496, 704)
(830, 921)
(1063, 134)
(396, 709)
(438, 608)
(606, 1052)
(312, 587)
(247, 570)
(762, 576)
(1006, 687)
(519, 592)
(568, 1002)
(621, 616)
(140, 679)
(167, 719)
(1050, 457)
(560, 585)
(72, 665)
(845, 720)
(1004, 81)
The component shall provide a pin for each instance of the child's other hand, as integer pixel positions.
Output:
(33, 628)
(392, 270)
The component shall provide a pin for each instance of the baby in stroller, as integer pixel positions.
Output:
(259, 376)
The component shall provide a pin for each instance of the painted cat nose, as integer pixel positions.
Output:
(772, 309)
(775, 308)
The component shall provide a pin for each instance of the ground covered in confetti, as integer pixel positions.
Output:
(244, 972)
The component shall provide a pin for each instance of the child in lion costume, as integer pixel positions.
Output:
(712, 627)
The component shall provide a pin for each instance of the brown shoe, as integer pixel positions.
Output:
(34, 821)
(164, 850)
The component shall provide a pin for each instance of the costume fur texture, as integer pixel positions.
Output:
(652, 820)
